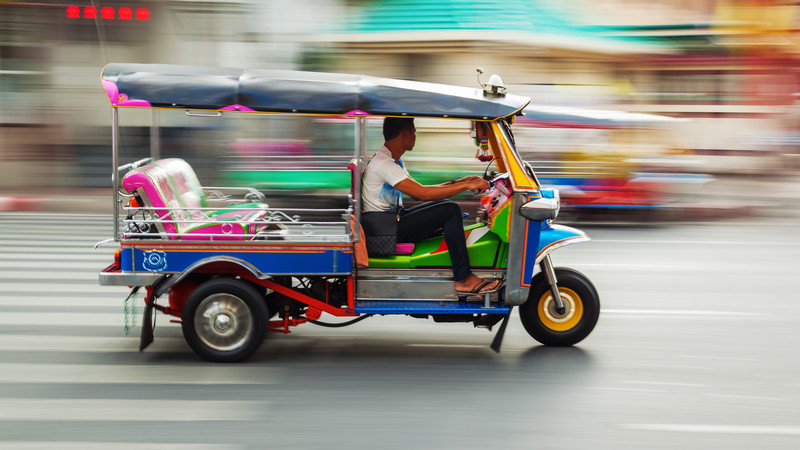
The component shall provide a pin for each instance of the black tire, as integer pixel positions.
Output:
(225, 320)
(545, 325)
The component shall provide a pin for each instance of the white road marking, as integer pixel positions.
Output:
(688, 312)
(62, 319)
(130, 410)
(717, 429)
(448, 345)
(38, 266)
(71, 249)
(747, 397)
(69, 300)
(200, 374)
(701, 242)
(43, 288)
(104, 344)
(50, 275)
(83, 445)
(625, 389)
(640, 266)
(720, 358)
(664, 383)
(97, 235)
(102, 260)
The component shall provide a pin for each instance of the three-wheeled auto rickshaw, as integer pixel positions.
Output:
(231, 268)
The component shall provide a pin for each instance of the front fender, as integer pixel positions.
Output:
(539, 240)
(557, 236)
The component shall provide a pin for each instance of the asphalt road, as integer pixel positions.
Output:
(696, 347)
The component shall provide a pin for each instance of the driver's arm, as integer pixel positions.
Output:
(441, 191)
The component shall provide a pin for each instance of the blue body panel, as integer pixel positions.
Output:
(288, 262)
(426, 307)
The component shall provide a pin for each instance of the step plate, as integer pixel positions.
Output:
(427, 307)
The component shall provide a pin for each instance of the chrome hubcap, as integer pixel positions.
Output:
(223, 322)
(552, 309)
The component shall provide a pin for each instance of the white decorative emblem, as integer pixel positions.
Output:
(155, 261)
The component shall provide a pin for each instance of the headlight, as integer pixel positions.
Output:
(542, 208)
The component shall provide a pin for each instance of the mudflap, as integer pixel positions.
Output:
(146, 337)
(501, 332)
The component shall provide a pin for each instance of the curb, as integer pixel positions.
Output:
(20, 203)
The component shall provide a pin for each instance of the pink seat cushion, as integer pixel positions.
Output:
(404, 249)
(172, 189)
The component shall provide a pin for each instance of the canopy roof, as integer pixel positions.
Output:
(230, 89)
(568, 117)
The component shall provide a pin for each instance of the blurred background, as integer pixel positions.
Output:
(641, 109)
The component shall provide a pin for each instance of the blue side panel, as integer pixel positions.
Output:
(267, 262)
(125, 259)
(426, 307)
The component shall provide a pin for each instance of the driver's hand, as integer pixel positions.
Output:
(477, 184)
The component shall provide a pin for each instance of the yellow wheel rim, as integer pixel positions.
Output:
(560, 322)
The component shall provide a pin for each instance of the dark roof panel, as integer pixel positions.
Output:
(213, 88)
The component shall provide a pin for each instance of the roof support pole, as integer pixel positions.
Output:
(360, 151)
(115, 168)
(155, 135)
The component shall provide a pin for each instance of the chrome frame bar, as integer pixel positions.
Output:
(114, 168)
(155, 135)
(550, 277)
(360, 151)
(145, 217)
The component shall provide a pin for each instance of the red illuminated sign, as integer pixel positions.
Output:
(107, 13)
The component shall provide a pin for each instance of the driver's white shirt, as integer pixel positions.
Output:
(381, 175)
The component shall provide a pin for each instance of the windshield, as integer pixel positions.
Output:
(505, 129)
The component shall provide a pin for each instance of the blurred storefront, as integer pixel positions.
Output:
(728, 66)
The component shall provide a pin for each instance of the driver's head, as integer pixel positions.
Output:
(401, 129)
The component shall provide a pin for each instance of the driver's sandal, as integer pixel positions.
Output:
(476, 290)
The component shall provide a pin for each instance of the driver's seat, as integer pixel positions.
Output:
(400, 248)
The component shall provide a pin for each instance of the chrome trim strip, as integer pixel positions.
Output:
(562, 243)
(128, 279)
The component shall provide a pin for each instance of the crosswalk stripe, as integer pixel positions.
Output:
(130, 410)
(102, 259)
(103, 344)
(46, 248)
(70, 300)
(48, 276)
(87, 236)
(38, 266)
(61, 319)
(84, 445)
(111, 291)
(196, 374)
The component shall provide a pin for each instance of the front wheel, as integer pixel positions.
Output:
(545, 324)
(224, 320)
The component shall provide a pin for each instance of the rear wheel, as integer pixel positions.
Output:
(540, 316)
(225, 320)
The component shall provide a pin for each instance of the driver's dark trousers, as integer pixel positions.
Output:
(434, 218)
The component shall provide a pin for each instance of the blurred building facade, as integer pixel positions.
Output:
(730, 66)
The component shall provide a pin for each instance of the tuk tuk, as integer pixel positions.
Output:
(231, 268)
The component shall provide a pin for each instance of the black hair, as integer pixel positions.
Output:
(393, 126)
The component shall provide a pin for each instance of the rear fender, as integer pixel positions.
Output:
(234, 265)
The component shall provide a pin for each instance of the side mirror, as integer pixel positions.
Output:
(541, 209)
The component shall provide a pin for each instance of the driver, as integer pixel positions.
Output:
(385, 178)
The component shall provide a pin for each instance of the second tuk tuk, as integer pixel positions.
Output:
(231, 268)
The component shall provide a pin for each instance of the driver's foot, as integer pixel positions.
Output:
(474, 285)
